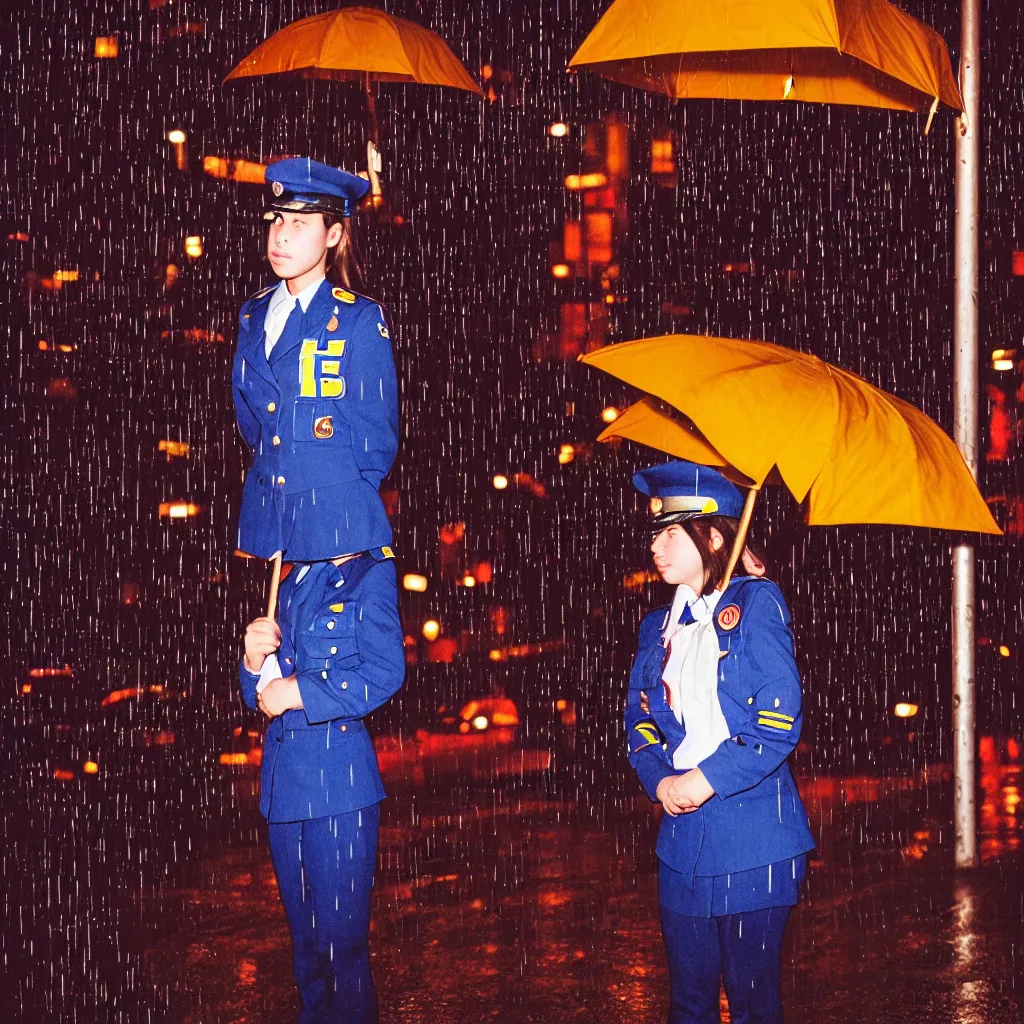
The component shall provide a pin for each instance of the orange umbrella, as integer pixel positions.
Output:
(854, 452)
(863, 52)
(358, 44)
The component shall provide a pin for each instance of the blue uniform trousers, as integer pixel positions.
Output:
(743, 949)
(324, 869)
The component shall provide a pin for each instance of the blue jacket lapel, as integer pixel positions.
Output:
(314, 322)
(252, 349)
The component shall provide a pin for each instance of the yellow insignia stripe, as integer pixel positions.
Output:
(387, 552)
(338, 607)
(776, 714)
(785, 726)
(648, 730)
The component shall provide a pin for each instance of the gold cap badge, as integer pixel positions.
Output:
(656, 506)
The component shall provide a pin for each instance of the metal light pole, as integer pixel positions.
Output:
(965, 428)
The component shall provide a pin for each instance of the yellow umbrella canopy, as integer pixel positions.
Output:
(352, 43)
(856, 453)
(358, 44)
(863, 52)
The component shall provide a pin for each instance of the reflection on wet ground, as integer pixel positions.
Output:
(513, 900)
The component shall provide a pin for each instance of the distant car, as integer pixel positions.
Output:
(49, 729)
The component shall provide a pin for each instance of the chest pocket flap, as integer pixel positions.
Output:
(333, 636)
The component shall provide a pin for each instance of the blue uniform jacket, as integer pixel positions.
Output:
(756, 816)
(342, 638)
(321, 421)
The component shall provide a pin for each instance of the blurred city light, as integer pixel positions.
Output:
(480, 722)
(431, 629)
(194, 246)
(235, 170)
(500, 482)
(105, 46)
(903, 710)
(558, 130)
(414, 581)
(17, 236)
(90, 767)
(233, 758)
(609, 414)
(1002, 358)
(1004, 650)
(566, 454)
(560, 270)
(63, 775)
(174, 449)
(47, 673)
(65, 276)
(1018, 263)
(469, 580)
(43, 345)
(177, 136)
(179, 509)
(663, 161)
(27, 687)
(579, 182)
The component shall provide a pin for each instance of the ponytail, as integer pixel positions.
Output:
(343, 266)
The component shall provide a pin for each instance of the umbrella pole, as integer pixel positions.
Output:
(372, 153)
(741, 535)
(275, 583)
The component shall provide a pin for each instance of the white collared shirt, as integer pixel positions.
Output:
(691, 676)
(282, 302)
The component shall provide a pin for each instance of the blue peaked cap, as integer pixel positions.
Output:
(302, 185)
(683, 490)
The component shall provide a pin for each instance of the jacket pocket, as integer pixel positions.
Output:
(333, 639)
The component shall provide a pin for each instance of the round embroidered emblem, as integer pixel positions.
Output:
(277, 188)
(324, 427)
(729, 617)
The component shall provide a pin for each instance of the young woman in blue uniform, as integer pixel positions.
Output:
(314, 380)
(317, 404)
(339, 645)
(713, 712)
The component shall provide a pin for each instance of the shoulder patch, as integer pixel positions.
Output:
(729, 617)
(344, 296)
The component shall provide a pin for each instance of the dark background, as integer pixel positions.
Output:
(845, 215)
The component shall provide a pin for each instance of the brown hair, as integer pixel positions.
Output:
(343, 266)
(715, 562)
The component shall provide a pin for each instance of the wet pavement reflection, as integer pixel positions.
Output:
(518, 898)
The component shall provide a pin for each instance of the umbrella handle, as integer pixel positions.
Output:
(741, 535)
(371, 107)
(275, 583)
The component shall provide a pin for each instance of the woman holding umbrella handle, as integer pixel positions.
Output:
(712, 715)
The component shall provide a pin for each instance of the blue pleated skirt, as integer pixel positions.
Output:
(774, 885)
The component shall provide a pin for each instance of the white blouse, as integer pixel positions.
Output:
(691, 676)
